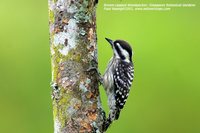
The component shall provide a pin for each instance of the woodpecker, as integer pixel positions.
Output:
(118, 78)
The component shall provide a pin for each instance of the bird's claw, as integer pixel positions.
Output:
(100, 79)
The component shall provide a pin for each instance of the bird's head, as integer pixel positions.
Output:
(121, 49)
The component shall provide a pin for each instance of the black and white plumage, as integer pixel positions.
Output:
(123, 77)
(118, 78)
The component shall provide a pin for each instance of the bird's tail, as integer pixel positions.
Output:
(113, 115)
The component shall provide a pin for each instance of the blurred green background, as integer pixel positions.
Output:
(165, 96)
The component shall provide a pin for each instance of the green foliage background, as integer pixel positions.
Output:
(165, 95)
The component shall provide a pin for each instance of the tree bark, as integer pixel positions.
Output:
(73, 45)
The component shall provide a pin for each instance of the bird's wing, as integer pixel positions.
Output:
(123, 77)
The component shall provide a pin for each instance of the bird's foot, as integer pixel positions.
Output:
(100, 79)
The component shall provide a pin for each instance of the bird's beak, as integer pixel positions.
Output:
(110, 41)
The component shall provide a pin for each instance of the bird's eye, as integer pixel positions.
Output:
(117, 47)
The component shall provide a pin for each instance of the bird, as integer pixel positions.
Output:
(117, 79)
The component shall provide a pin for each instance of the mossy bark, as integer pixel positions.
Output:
(73, 44)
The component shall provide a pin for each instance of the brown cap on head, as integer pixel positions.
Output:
(125, 45)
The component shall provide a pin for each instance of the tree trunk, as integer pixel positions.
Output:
(73, 45)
